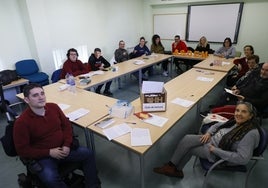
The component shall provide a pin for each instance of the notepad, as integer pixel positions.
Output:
(77, 114)
(183, 102)
(116, 131)
(140, 137)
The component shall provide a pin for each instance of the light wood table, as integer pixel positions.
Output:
(185, 86)
(126, 67)
(16, 83)
(216, 63)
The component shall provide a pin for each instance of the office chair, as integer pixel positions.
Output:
(56, 75)
(29, 70)
(219, 165)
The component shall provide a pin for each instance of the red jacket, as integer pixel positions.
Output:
(243, 62)
(180, 46)
(35, 135)
(74, 68)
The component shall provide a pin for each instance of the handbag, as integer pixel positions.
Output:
(8, 76)
(8, 142)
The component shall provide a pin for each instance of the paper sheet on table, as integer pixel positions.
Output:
(204, 79)
(63, 106)
(183, 102)
(225, 63)
(138, 62)
(152, 87)
(140, 137)
(92, 73)
(77, 114)
(156, 120)
(230, 91)
(116, 131)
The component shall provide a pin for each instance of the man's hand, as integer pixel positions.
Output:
(59, 153)
(205, 138)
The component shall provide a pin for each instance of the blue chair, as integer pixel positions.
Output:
(219, 165)
(56, 75)
(29, 70)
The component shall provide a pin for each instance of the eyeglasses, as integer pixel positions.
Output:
(73, 54)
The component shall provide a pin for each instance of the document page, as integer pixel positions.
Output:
(140, 137)
(156, 120)
(204, 79)
(77, 114)
(116, 131)
(63, 106)
(152, 87)
(183, 102)
(230, 91)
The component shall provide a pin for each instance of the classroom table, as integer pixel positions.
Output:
(80, 99)
(126, 67)
(185, 86)
(216, 63)
(16, 84)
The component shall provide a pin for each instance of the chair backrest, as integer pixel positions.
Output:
(26, 67)
(56, 75)
(238, 54)
(263, 142)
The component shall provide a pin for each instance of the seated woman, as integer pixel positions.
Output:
(234, 141)
(227, 50)
(203, 46)
(157, 47)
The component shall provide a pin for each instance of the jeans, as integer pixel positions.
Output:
(51, 178)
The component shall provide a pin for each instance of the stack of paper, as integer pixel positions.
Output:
(77, 114)
(116, 131)
(183, 102)
(152, 87)
(140, 137)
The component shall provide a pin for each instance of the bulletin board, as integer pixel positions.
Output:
(169, 25)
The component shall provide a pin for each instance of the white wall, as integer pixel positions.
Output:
(252, 28)
(45, 25)
(34, 28)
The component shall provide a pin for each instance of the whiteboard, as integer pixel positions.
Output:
(216, 22)
(169, 25)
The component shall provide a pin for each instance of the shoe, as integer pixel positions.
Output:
(165, 73)
(169, 170)
(108, 93)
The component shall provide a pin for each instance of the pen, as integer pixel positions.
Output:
(131, 122)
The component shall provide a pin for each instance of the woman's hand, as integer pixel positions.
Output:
(211, 148)
(205, 138)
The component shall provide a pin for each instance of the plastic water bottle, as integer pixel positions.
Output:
(72, 87)
(67, 78)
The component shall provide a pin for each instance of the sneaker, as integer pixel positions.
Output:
(169, 170)
(165, 73)
(108, 93)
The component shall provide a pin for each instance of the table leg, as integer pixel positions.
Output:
(142, 171)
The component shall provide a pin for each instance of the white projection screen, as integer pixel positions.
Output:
(215, 22)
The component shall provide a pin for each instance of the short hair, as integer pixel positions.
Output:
(71, 50)
(177, 36)
(121, 41)
(142, 38)
(97, 50)
(29, 87)
(229, 39)
(255, 57)
(251, 48)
